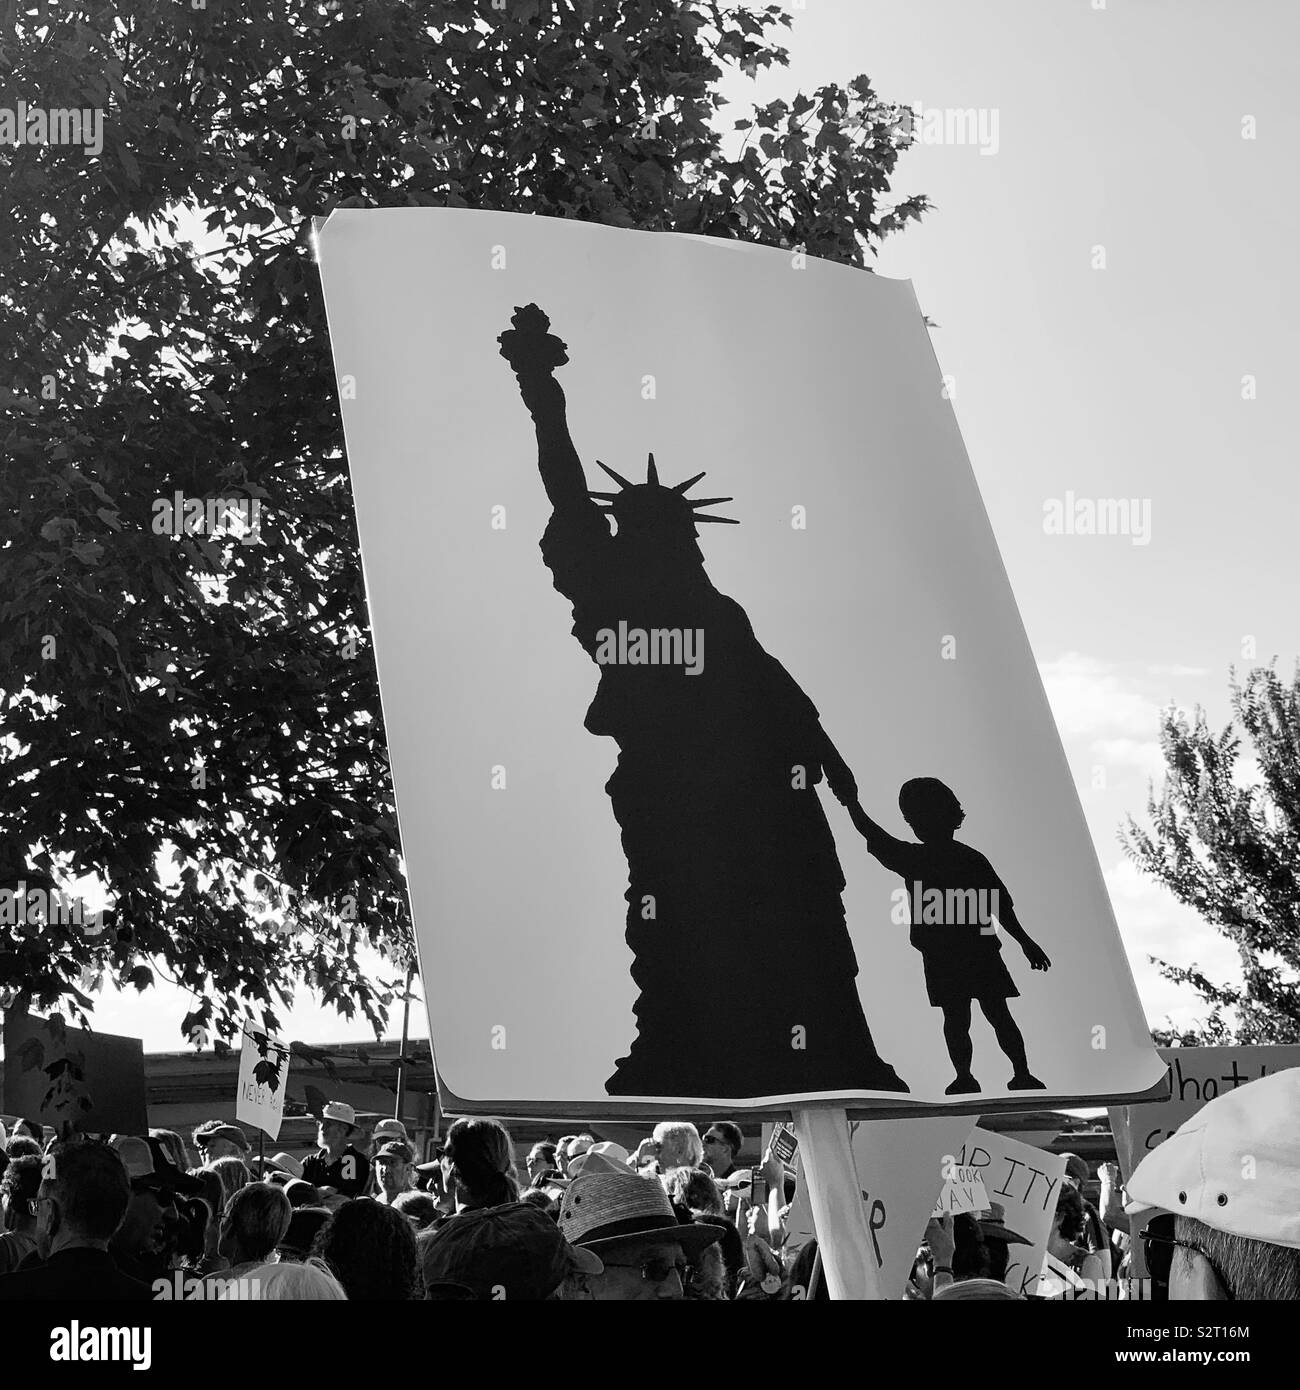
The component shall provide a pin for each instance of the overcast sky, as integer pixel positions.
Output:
(1119, 128)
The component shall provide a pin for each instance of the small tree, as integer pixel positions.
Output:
(214, 701)
(1233, 853)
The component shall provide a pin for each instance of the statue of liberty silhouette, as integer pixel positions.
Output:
(735, 914)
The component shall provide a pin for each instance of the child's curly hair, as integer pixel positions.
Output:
(371, 1250)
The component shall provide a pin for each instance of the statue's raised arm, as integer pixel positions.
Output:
(533, 353)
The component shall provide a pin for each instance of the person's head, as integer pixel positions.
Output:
(308, 1280)
(479, 1156)
(694, 1189)
(1231, 1177)
(216, 1139)
(541, 1159)
(513, 1252)
(542, 1200)
(370, 1248)
(722, 1142)
(931, 808)
(629, 1223)
(150, 1232)
(22, 1146)
(84, 1197)
(234, 1174)
(678, 1145)
(394, 1166)
(991, 1246)
(300, 1193)
(1066, 1238)
(419, 1209)
(20, 1187)
(173, 1146)
(388, 1132)
(1076, 1170)
(337, 1126)
(304, 1226)
(985, 1290)
(254, 1223)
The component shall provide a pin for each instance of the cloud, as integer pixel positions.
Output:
(1178, 670)
(1090, 700)
(1142, 754)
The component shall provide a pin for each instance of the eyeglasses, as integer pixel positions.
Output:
(657, 1271)
(1159, 1251)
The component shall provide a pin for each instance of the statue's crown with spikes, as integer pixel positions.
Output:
(650, 503)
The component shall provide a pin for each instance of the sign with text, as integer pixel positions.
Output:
(900, 1166)
(654, 729)
(963, 1190)
(65, 1077)
(1197, 1075)
(1025, 1182)
(263, 1075)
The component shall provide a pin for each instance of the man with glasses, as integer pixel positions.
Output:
(629, 1223)
(1228, 1184)
(83, 1197)
(723, 1142)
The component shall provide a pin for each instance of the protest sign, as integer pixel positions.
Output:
(1025, 1182)
(963, 1190)
(1197, 1075)
(628, 758)
(92, 1083)
(900, 1166)
(263, 1076)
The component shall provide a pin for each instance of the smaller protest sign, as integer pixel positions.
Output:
(263, 1075)
(784, 1143)
(72, 1079)
(963, 1190)
(1025, 1183)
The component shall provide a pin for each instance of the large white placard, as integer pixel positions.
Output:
(620, 760)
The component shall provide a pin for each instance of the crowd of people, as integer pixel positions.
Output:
(133, 1218)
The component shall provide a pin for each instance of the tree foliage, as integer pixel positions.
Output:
(212, 705)
(1229, 846)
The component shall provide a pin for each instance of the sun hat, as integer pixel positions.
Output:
(993, 1225)
(286, 1163)
(605, 1157)
(515, 1252)
(339, 1110)
(1234, 1165)
(390, 1129)
(301, 1194)
(603, 1210)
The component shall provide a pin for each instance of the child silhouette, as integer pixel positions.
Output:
(952, 928)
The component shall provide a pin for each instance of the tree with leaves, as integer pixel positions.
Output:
(192, 720)
(1229, 847)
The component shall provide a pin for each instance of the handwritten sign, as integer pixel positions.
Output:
(900, 1167)
(263, 1075)
(963, 1191)
(1025, 1181)
(1197, 1075)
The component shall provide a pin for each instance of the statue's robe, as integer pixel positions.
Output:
(735, 915)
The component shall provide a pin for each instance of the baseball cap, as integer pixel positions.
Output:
(149, 1168)
(390, 1129)
(1233, 1166)
(513, 1250)
(220, 1129)
(394, 1149)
